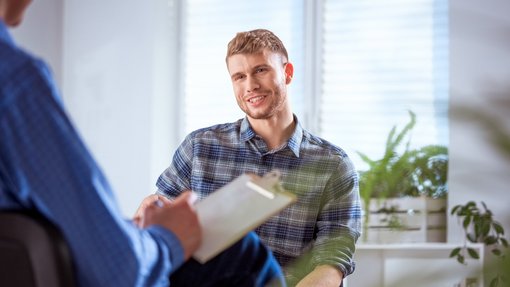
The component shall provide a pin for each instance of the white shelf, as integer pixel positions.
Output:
(414, 246)
(413, 264)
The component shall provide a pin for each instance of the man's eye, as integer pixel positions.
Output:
(238, 77)
(260, 70)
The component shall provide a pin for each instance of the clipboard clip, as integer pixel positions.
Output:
(270, 181)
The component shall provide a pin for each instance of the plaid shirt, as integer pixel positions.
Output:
(326, 217)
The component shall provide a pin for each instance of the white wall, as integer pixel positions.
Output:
(480, 79)
(111, 61)
(118, 84)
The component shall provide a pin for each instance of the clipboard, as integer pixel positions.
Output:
(232, 211)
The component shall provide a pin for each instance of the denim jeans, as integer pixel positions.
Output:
(246, 263)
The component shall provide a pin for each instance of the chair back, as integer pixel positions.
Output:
(33, 252)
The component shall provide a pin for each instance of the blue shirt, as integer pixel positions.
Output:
(44, 166)
(327, 215)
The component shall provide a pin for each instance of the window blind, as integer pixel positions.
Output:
(208, 27)
(379, 60)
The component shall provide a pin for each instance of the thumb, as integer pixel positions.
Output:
(188, 196)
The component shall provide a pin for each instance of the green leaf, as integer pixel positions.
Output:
(498, 228)
(489, 240)
(455, 252)
(473, 253)
(466, 222)
(408, 127)
(461, 259)
(494, 282)
(390, 144)
(365, 158)
(454, 209)
(471, 204)
(504, 242)
(477, 227)
(484, 205)
(496, 252)
(471, 238)
(485, 228)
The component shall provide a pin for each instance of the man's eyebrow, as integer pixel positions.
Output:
(235, 75)
(260, 66)
(253, 69)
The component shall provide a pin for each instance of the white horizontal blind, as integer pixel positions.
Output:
(208, 27)
(381, 59)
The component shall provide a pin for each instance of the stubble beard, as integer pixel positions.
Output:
(267, 113)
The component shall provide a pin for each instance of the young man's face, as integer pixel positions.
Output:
(14, 14)
(259, 82)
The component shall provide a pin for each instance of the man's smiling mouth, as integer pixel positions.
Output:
(256, 99)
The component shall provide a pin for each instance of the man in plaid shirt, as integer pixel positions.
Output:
(323, 226)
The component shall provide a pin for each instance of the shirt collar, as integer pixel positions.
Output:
(296, 138)
(247, 133)
(4, 33)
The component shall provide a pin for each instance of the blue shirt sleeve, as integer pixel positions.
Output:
(45, 166)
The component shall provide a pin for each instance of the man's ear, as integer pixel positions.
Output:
(289, 72)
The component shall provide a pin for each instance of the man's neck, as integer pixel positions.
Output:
(3, 10)
(275, 131)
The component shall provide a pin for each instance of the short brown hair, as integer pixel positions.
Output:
(255, 41)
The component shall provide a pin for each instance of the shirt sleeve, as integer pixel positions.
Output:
(339, 222)
(177, 177)
(45, 166)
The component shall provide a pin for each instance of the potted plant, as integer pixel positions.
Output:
(404, 176)
(480, 227)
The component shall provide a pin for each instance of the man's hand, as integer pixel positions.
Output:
(148, 201)
(179, 216)
(322, 276)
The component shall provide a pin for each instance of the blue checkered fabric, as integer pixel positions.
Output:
(327, 215)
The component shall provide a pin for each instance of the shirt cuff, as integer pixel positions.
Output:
(174, 245)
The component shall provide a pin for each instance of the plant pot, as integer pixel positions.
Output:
(406, 220)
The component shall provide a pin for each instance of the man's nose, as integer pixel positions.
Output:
(252, 84)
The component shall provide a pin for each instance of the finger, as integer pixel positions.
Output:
(145, 202)
(137, 220)
(148, 215)
(153, 198)
(165, 199)
(139, 212)
(192, 198)
(187, 196)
